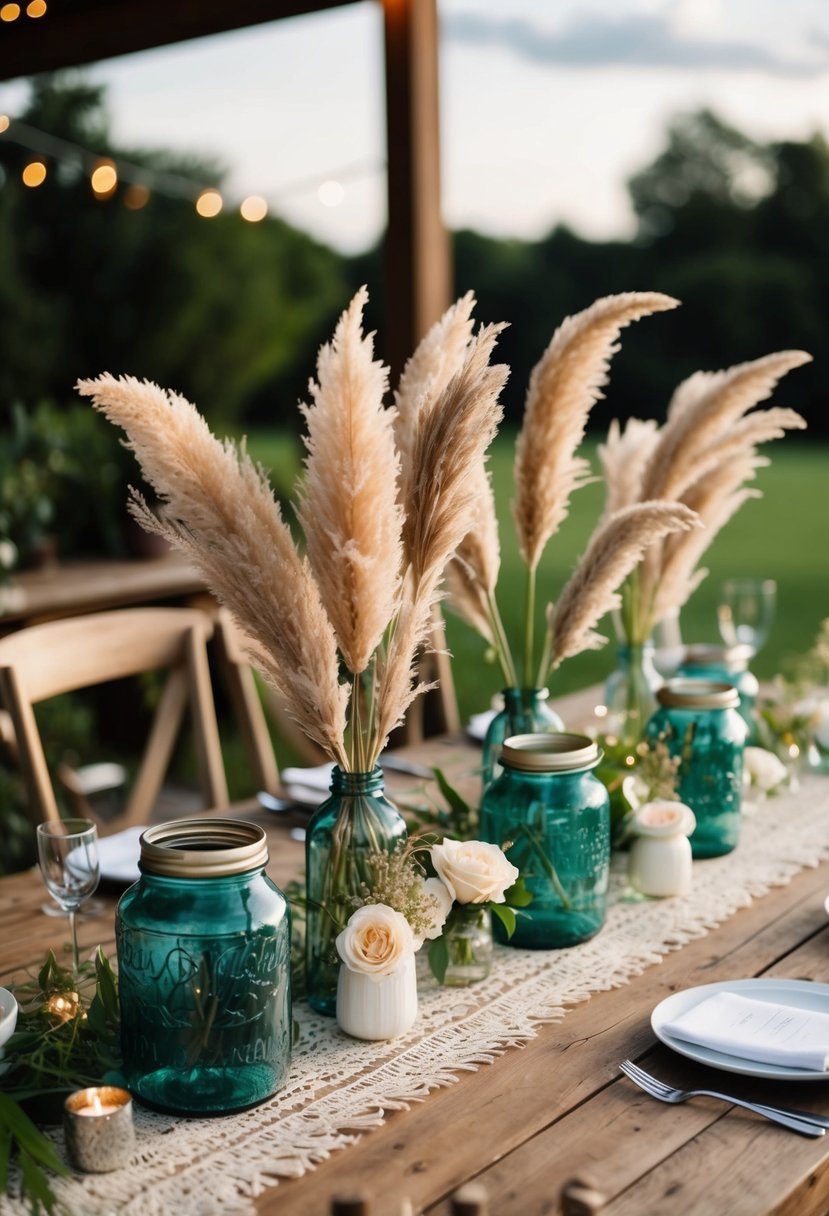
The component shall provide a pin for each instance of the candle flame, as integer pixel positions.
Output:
(96, 1105)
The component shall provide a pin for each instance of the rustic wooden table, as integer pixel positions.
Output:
(559, 1108)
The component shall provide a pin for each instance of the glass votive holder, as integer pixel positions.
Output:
(97, 1124)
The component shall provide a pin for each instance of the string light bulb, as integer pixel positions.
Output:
(5, 122)
(9, 12)
(34, 173)
(209, 203)
(136, 197)
(36, 8)
(253, 209)
(331, 193)
(104, 179)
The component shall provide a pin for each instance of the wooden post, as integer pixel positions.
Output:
(418, 260)
(470, 1200)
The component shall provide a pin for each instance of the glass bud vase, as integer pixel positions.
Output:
(630, 693)
(525, 712)
(467, 935)
(354, 822)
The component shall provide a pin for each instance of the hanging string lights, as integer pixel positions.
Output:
(135, 184)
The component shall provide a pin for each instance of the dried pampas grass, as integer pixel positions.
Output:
(614, 550)
(220, 511)
(703, 457)
(564, 385)
(365, 589)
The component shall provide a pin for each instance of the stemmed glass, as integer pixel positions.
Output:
(746, 611)
(68, 855)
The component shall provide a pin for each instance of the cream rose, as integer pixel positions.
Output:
(376, 941)
(473, 871)
(442, 904)
(762, 770)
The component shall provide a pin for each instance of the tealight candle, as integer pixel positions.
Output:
(97, 1123)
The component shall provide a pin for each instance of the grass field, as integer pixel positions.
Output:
(784, 535)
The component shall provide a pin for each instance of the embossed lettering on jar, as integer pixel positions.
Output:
(204, 970)
(553, 813)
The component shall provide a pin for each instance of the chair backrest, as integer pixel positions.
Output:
(46, 660)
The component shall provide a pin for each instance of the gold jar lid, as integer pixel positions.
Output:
(556, 752)
(698, 694)
(203, 848)
(711, 655)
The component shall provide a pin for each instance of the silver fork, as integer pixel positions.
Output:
(803, 1122)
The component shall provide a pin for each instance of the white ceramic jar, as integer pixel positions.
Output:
(377, 1007)
(659, 862)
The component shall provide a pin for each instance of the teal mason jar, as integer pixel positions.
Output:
(730, 665)
(698, 722)
(525, 712)
(204, 965)
(554, 814)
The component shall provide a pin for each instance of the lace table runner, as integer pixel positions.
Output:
(339, 1087)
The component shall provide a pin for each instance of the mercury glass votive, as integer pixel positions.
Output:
(97, 1124)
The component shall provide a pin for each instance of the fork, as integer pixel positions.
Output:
(803, 1122)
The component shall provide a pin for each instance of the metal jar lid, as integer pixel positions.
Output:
(711, 655)
(203, 848)
(555, 752)
(698, 694)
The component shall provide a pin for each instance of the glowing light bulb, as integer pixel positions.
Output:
(34, 174)
(5, 123)
(253, 209)
(9, 12)
(209, 203)
(104, 179)
(36, 8)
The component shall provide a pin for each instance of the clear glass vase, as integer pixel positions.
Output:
(525, 712)
(630, 693)
(354, 822)
(467, 935)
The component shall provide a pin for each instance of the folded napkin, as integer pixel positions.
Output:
(308, 785)
(764, 1031)
(118, 855)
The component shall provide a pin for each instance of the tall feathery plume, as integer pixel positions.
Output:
(759, 427)
(623, 457)
(438, 357)
(448, 455)
(564, 385)
(348, 505)
(472, 572)
(220, 511)
(716, 498)
(702, 410)
(614, 550)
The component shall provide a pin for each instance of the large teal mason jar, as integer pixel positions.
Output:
(204, 965)
(526, 712)
(699, 723)
(356, 821)
(554, 814)
(728, 664)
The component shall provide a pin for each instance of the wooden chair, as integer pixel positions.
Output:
(64, 656)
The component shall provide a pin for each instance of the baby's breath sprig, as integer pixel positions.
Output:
(398, 879)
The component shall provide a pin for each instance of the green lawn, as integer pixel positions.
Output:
(783, 535)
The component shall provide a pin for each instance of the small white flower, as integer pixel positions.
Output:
(376, 942)
(442, 903)
(473, 871)
(762, 770)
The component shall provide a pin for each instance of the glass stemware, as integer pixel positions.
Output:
(746, 611)
(68, 856)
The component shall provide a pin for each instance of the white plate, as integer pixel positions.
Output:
(803, 994)
(118, 855)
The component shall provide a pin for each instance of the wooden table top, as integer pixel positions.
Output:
(558, 1107)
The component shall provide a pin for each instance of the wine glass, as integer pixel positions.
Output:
(68, 855)
(746, 611)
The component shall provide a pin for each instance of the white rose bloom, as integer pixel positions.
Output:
(473, 871)
(443, 906)
(376, 941)
(763, 770)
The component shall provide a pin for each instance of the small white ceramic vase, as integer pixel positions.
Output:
(659, 862)
(383, 1007)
